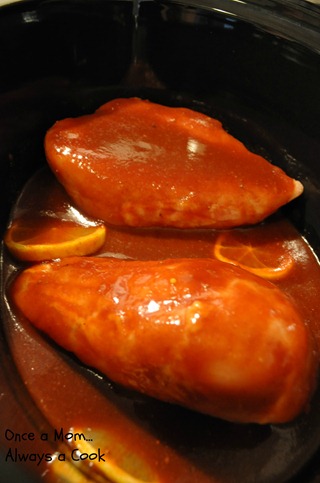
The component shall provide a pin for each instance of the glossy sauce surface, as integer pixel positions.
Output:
(44, 198)
(181, 331)
(137, 163)
(57, 385)
(67, 395)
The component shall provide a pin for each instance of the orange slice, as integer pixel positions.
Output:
(269, 259)
(109, 468)
(47, 238)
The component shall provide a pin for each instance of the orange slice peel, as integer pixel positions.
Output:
(270, 260)
(51, 238)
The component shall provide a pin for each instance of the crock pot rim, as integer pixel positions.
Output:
(295, 20)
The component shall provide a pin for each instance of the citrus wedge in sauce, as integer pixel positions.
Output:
(48, 238)
(269, 259)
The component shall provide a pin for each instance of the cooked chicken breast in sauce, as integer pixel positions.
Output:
(194, 332)
(138, 163)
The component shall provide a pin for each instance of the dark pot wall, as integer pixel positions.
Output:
(61, 58)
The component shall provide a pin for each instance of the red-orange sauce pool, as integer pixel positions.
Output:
(71, 398)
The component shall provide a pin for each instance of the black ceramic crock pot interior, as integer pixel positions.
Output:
(253, 65)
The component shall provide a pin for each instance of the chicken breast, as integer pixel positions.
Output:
(137, 163)
(180, 330)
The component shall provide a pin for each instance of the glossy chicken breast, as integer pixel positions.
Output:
(178, 330)
(137, 163)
